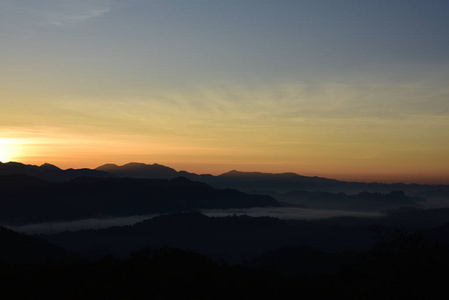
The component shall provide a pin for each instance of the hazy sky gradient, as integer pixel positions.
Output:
(349, 89)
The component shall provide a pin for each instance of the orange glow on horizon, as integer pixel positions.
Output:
(9, 149)
(356, 160)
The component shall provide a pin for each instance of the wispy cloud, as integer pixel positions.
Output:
(69, 12)
(94, 223)
(59, 12)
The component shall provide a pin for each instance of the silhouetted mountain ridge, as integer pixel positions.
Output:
(270, 176)
(276, 182)
(49, 171)
(140, 170)
(244, 181)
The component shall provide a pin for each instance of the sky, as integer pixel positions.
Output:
(349, 89)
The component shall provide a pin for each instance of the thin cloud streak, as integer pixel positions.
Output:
(75, 12)
(59, 12)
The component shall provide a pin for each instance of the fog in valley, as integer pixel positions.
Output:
(285, 213)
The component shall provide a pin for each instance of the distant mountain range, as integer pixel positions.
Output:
(262, 182)
(245, 181)
(48, 172)
(232, 179)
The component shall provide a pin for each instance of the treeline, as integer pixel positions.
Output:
(162, 273)
(403, 266)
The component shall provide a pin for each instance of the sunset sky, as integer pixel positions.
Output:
(349, 89)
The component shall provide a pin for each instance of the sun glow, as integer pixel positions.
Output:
(8, 149)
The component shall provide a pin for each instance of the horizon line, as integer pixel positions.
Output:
(385, 181)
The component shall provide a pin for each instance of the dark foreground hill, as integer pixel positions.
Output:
(30, 200)
(31, 268)
(242, 238)
(399, 265)
(397, 269)
(229, 238)
(20, 248)
(157, 273)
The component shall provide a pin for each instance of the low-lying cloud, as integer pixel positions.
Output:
(277, 212)
(289, 213)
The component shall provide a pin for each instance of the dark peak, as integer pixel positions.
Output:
(143, 166)
(241, 173)
(49, 167)
(107, 167)
(19, 167)
(233, 173)
(139, 170)
(184, 172)
(135, 165)
(13, 163)
(183, 181)
(286, 176)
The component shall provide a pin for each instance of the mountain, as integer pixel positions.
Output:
(286, 182)
(268, 182)
(231, 179)
(21, 248)
(87, 197)
(363, 201)
(20, 181)
(140, 170)
(230, 238)
(255, 182)
(46, 167)
(242, 238)
(48, 172)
